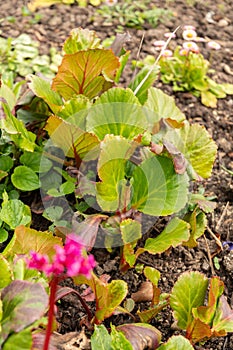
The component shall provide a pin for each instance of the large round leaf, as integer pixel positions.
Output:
(117, 112)
(157, 188)
(85, 72)
(25, 179)
(197, 146)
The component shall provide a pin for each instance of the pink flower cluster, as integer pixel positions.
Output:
(68, 260)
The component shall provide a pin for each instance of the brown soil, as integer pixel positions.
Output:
(213, 19)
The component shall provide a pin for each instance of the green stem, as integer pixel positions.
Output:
(52, 297)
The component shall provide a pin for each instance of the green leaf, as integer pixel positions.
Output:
(197, 146)
(206, 314)
(141, 335)
(19, 341)
(6, 163)
(71, 139)
(9, 210)
(100, 339)
(208, 99)
(26, 239)
(112, 190)
(3, 235)
(119, 340)
(25, 179)
(6, 274)
(130, 233)
(152, 275)
(3, 174)
(53, 213)
(42, 89)
(176, 232)
(198, 222)
(23, 303)
(18, 133)
(123, 59)
(228, 88)
(75, 111)
(112, 184)
(188, 292)
(142, 92)
(147, 316)
(163, 192)
(115, 293)
(81, 39)
(117, 112)
(216, 319)
(65, 188)
(108, 295)
(36, 162)
(223, 319)
(8, 95)
(86, 73)
(163, 107)
(177, 342)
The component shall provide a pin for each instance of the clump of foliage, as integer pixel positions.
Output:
(187, 69)
(133, 14)
(107, 160)
(127, 13)
(20, 56)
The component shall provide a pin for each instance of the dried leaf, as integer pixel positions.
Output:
(145, 293)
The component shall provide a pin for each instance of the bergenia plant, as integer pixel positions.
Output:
(114, 139)
(68, 261)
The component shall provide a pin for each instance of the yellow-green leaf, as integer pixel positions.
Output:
(85, 72)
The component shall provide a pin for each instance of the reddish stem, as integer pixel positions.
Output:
(53, 287)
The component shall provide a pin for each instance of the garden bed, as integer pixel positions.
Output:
(213, 20)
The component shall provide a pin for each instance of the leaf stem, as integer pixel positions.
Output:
(52, 296)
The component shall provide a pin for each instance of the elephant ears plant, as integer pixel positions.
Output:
(132, 156)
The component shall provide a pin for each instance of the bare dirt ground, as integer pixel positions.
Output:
(213, 19)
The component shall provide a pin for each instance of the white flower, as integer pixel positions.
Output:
(191, 46)
(189, 34)
(214, 45)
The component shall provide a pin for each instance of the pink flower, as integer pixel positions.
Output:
(169, 35)
(111, 2)
(38, 261)
(191, 46)
(159, 43)
(167, 53)
(199, 39)
(183, 52)
(213, 45)
(68, 260)
(188, 27)
(189, 34)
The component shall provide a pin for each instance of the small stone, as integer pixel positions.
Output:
(205, 266)
(223, 22)
(224, 145)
